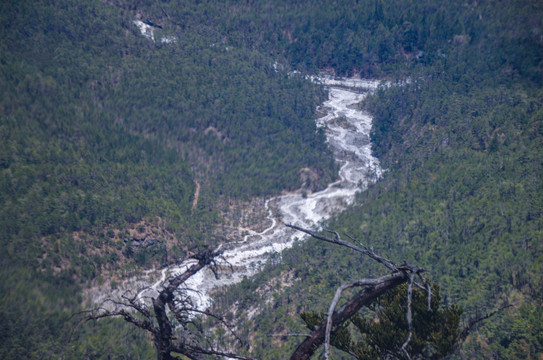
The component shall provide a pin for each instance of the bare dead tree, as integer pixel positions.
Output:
(371, 289)
(185, 337)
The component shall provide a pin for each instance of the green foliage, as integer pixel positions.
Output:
(462, 145)
(515, 335)
(102, 127)
(434, 332)
(464, 194)
(341, 338)
(381, 333)
(373, 37)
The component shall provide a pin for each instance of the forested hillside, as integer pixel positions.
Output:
(462, 143)
(106, 130)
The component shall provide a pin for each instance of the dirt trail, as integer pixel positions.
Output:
(196, 195)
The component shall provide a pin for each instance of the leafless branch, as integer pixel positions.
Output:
(409, 315)
(338, 241)
(333, 304)
(428, 289)
(385, 283)
(171, 299)
(372, 288)
(220, 319)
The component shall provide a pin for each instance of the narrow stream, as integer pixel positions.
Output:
(347, 130)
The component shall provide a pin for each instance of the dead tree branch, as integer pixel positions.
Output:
(338, 241)
(409, 315)
(385, 283)
(333, 304)
(167, 337)
(372, 288)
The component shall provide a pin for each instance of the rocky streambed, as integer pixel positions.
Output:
(347, 130)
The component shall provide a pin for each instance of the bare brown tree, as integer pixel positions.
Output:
(172, 319)
(372, 288)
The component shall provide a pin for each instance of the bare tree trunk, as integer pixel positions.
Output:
(163, 338)
(373, 288)
(308, 347)
(159, 324)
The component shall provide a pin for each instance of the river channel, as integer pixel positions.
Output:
(347, 130)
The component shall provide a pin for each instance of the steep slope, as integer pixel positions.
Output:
(462, 194)
(104, 130)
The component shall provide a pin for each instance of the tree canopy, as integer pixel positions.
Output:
(105, 132)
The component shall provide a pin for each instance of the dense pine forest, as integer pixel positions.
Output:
(108, 132)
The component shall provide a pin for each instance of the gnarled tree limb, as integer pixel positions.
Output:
(383, 284)
(338, 241)
(373, 288)
(158, 322)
